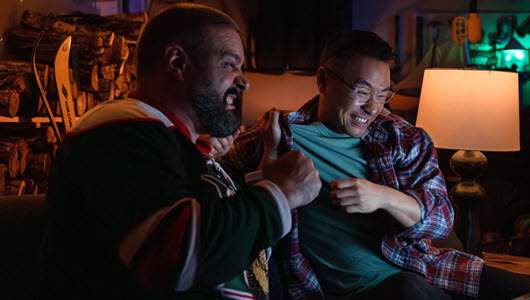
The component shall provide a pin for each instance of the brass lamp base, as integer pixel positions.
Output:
(466, 195)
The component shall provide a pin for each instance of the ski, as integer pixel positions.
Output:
(63, 83)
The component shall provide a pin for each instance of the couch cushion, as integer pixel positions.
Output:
(22, 224)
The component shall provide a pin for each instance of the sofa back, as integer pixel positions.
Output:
(22, 225)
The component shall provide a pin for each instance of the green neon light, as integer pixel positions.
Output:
(515, 58)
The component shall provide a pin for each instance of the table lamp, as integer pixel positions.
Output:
(470, 111)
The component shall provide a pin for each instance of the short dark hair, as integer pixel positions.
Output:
(341, 46)
(185, 24)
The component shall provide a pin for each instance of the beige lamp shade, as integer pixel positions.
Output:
(470, 109)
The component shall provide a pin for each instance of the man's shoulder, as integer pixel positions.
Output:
(116, 111)
(396, 123)
(131, 133)
(124, 121)
(394, 129)
(128, 138)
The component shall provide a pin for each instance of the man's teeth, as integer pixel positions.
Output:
(229, 100)
(360, 120)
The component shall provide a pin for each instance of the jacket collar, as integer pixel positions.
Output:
(202, 146)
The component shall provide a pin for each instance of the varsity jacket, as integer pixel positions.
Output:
(399, 156)
(138, 212)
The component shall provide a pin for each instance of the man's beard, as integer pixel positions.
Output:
(210, 107)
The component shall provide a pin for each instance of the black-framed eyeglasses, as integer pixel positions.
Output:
(362, 95)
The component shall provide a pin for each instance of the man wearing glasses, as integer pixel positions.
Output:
(383, 196)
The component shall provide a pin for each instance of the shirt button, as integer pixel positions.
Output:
(404, 243)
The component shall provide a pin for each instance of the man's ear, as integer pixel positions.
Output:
(322, 77)
(175, 59)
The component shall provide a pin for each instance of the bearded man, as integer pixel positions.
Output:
(138, 208)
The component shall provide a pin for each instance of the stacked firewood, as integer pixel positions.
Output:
(102, 66)
(24, 165)
(18, 95)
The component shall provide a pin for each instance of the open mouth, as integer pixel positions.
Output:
(230, 98)
(358, 120)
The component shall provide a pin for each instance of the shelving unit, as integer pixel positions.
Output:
(36, 120)
(33, 164)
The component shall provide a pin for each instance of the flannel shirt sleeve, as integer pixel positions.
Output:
(420, 177)
(244, 155)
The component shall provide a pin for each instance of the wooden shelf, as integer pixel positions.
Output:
(37, 120)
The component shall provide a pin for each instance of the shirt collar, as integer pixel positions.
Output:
(308, 114)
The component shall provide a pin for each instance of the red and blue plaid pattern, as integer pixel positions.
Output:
(400, 156)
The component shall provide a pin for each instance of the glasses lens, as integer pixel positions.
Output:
(381, 97)
(389, 95)
(362, 94)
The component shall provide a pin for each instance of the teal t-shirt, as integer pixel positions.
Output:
(344, 249)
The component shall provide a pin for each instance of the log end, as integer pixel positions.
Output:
(14, 102)
(13, 164)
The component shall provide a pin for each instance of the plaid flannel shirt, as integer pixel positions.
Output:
(400, 156)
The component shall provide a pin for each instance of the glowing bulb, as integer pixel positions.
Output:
(519, 54)
(508, 57)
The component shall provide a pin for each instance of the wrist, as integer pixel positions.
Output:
(387, 199)
(270, 151)
(267, 155)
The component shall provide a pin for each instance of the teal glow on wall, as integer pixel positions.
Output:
(515, 59)
(505, 42)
